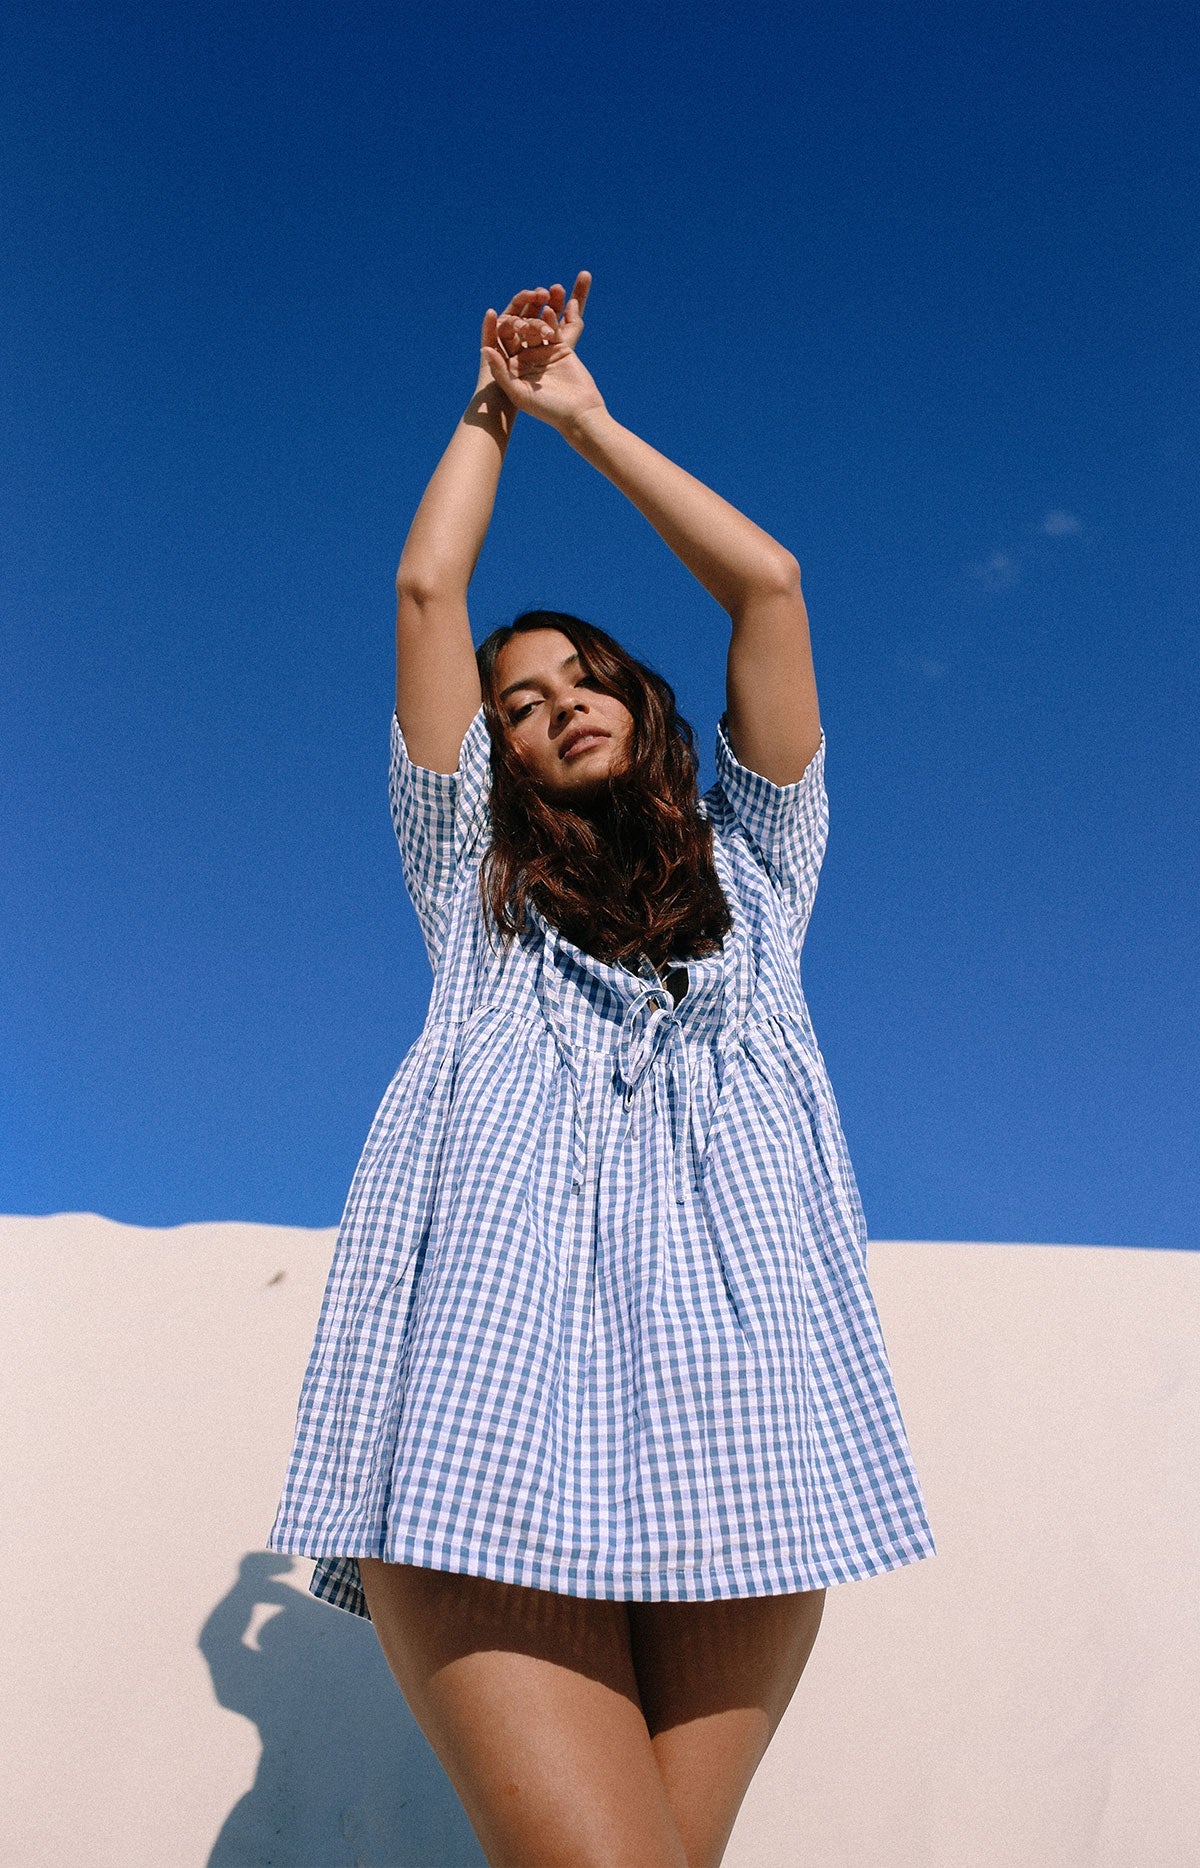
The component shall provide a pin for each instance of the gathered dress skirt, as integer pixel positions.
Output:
(598, 1318)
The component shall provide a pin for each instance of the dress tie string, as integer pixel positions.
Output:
(646, 1029)
(650, 1028)
(550, 988)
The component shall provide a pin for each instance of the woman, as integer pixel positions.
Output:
(598, 1404)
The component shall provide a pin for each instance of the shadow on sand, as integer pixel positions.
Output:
(347, 1778)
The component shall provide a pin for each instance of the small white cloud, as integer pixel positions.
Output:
(999, 572)
(1061, 525)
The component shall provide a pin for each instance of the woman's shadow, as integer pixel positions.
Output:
(347, 1778)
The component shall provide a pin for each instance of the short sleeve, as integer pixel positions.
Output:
(442, 823)
(787, 825)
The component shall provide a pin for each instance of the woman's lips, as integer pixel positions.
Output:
(583, 742)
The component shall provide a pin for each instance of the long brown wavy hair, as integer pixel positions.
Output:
(628, 872)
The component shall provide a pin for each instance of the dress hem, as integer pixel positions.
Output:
(330, 1582)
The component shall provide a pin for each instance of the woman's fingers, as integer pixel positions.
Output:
(522, 303)
(523, 334)
(560, 304)
(511, 332)
(572, 324)
(530, 301)
(539, 316)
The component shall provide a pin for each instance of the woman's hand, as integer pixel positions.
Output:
(520, 318)
(530, 353)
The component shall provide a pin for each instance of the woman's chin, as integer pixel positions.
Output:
(586, 771)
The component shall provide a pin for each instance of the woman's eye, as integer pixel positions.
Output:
(519, 714)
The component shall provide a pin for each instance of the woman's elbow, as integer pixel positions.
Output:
(774, 573)
(419, 585)
(784, 574)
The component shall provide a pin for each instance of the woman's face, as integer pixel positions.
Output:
(568, 731)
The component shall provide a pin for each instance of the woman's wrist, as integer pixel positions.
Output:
(485, 379)
(583, 427)
(490, 408)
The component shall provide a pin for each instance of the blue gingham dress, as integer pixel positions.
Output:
(598, 1318)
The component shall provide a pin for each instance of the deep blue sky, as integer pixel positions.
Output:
(916, 287)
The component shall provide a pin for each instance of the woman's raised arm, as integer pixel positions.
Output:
(773, 721)
(437, 678)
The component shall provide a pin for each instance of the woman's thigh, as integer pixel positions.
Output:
(715, 1679)
(530, 1701)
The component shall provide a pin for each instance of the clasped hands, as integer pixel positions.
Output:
(529, 350)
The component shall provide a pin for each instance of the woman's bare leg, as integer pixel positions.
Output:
(715, 1679)
(530, 1702)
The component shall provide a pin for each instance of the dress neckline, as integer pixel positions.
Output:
(642, 968)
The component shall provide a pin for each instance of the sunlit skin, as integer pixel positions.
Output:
(547, 696)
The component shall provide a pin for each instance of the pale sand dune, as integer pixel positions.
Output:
(1025, 1699)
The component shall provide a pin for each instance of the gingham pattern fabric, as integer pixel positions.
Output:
(598, 1317)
